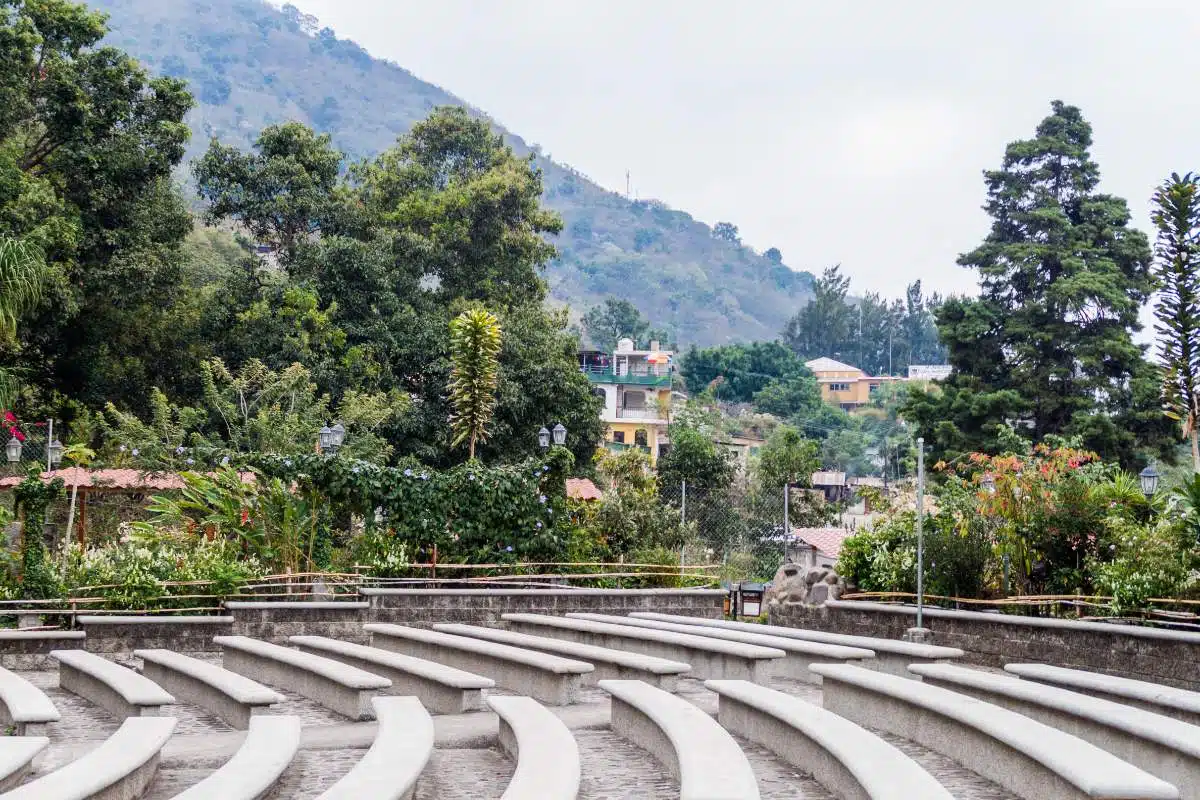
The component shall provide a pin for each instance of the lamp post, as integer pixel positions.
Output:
(919, 633)
(330, 439)
(989, 485)
(1149, 480)
(544, 438)
(560, 435)
(54, 454)
(13, 450)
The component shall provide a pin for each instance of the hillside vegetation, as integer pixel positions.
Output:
(251, 65)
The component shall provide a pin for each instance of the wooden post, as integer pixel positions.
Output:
(433, 564)
(82, 532)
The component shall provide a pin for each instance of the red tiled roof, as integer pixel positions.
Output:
(827, 540)
(129, 479)
(582, 489)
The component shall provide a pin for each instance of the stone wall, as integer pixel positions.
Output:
(1150, 654)
(425, 607)
(275, 622)
(123, 634)
(30, 649)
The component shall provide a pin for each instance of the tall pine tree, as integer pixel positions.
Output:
(1047, 347)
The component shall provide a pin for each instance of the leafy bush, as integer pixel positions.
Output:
(134, 572)
(1158, 560)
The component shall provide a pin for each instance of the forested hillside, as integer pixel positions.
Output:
(251, 65)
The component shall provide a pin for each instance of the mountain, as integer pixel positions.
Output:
(251, 65)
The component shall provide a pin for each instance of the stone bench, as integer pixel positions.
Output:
(402, 747)
(24, 706)
(891, 655)
(269, 747)
(549, 678)
(1160, 745)
(608, 663)
(123, 766)
(227, 695)
(118, 690)
(702, 756)
(846, 759)
(16, 758)
(440, 688)
(799, 653)
(547, 756)
(1169, 701)
(1030, 759)
(339, 687)
(709, 658)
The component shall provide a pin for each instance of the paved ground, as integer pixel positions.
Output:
(466, 764)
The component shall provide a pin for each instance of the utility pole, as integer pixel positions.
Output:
(919, 634)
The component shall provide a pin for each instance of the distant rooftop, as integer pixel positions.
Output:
(829, 365)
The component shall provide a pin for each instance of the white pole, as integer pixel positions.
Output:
(787, 520)
(49, 439)
(920, 532)
(683, 520)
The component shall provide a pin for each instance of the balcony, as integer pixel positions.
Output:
(643, 376)
(644, 414)
(620, 447)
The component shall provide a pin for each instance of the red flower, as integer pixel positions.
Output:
(245, 517)
(9, 417)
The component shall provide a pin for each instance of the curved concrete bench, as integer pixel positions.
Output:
(799, 653)
(709, 658)
(118, 690)
(1030, 759)
(232, 697)
(551, 679)
(849, 761)
(608, 663)
(270, 745)
(16, 758)
(1160, 745)
(891, 655)
(121, 767)
(25, 707)
(1180, 704)
(443, 689)
(546, 753)
(402, 747)
(701, 755)
(339, 687)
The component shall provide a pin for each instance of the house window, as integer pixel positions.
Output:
(839, 387)
(640, 438)
(598, 392)
(619, 437)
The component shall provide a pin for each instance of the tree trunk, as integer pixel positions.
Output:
(75, 491)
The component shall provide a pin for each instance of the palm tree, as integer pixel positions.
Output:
(475, 355)
(22, 273)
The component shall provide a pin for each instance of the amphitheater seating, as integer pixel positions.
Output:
(24, 706)
(120, 691)
(225, 694)
(403, 746)
(270, 745)
(1180, 704)
(1030, 759)
(547, 756)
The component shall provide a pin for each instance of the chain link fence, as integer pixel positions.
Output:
(735, 525)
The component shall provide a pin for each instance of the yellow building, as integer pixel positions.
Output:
(843, 385)
(636, 387)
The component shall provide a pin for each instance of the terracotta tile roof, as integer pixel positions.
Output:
(127, 479)
(582, 489)
(827, 540)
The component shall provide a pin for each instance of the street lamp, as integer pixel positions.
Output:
(560, 435)
(325, 438)
(55, 449)
(988, 483)
(13, 449)
(544, 438)
(337, 436)
(1149, 478)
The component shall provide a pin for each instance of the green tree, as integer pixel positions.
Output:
(786, 458)
(823, 327)
(1177, 304)
(475, 353)
(22, 274)
(615, 319)
(727, 232)
(1047, 346)
(281, 193)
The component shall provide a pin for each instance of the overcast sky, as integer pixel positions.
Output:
(838, 131)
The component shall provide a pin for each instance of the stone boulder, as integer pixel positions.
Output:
(795, 585)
